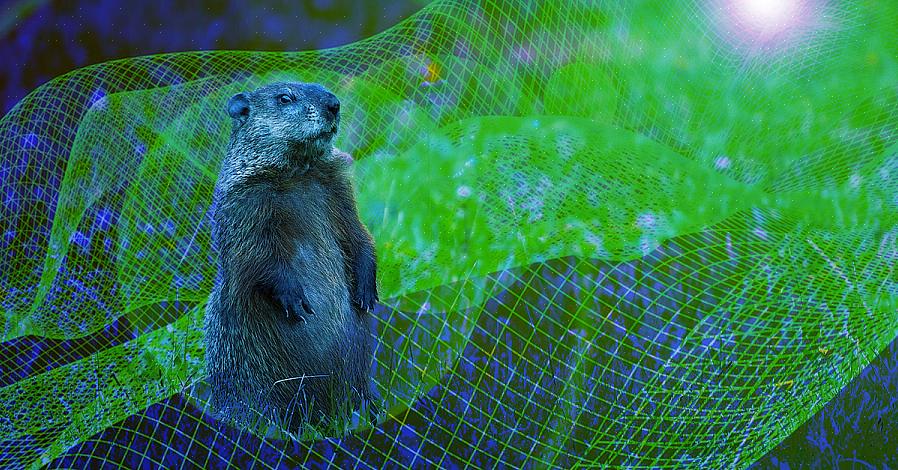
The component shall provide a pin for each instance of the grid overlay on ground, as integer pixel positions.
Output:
(619, 233)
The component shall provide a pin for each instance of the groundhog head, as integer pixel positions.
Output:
(296, 119)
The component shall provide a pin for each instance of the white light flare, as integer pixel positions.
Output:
(766, 24)
(767, 15)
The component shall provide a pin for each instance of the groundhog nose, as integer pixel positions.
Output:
(332, 104)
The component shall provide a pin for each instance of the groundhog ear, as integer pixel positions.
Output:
(238, 106)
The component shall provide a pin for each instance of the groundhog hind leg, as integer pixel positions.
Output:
(368, 395)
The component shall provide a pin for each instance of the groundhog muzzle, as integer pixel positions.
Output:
(288, 333)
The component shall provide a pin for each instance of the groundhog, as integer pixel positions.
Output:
(287, 330)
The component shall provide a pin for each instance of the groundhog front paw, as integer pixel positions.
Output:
(365, 295)
(295, 304)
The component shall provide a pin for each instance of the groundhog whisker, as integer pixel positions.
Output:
(300, 378)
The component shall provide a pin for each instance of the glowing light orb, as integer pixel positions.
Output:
(766, 24)
(768, 15)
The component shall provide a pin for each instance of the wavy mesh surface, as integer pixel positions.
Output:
(650, 234)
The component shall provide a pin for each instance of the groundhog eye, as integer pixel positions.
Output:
(285, 98)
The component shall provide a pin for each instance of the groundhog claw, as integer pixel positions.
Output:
(291, 302)
(365, 298)
(305, 303)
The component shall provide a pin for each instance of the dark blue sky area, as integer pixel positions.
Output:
(45, 38)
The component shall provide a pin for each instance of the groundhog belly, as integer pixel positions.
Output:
(318, 265)
(320, 270)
